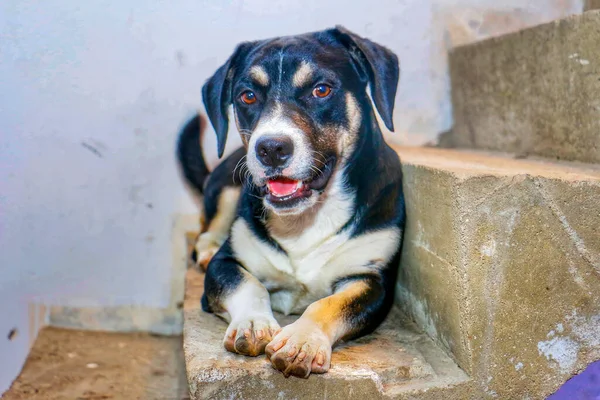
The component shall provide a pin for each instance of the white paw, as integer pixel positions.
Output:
(206, 247)
(250, 335)
(299, 349)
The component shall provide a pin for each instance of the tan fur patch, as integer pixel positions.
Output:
(301, 123)
(348, 137)
(227, 205)
(244, 135)
(259, 75)
(328, 312)
(303, 74)
(352, 113)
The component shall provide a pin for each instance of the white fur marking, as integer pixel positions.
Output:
(280, 67)
(254, 254)
(277, 124)
(249, 300)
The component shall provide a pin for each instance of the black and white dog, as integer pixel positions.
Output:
(307, 218)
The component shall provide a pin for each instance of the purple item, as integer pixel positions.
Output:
(585, 386)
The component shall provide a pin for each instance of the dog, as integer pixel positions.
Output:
(308, 216)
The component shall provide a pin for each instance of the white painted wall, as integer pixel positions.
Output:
(91, 96)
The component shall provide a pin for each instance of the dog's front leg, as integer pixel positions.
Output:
(234, 294)
(305, 346)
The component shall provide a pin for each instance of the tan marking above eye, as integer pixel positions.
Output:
(303, 74)
(259, 75)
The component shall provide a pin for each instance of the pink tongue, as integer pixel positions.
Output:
(282, 187)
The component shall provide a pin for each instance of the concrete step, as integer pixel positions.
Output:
(534, 92)
(398, 361)
(501, 265)
(591, 5)
(74, 364)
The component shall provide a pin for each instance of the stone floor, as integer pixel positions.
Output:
(397, 361)
(85, 365)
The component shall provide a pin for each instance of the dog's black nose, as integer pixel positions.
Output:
(274, 151)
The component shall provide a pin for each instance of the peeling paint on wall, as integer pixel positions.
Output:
(561, 350)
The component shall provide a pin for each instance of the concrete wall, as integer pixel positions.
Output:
(93, 93)
(459, 22)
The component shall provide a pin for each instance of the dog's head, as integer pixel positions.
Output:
(299, 103)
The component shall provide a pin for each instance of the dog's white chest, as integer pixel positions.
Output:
(296, 277)
(314, 258)
(303, 272)
(310, 267)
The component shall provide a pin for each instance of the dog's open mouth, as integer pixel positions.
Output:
(284, 187)
(284, 191)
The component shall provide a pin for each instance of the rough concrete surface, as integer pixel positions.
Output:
(396, 362)
(69, 364)
(534, 92)
(466, 23)
(161, 321)
(501, 265)
(591, 5)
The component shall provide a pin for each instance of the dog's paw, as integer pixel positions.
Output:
(250, 336)
(204, 257)
(299, 349)
(204, 250)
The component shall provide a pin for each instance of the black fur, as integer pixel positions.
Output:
(189, 154)
(217, 96)
(195, 171)
(224, 175)
(381, 67)
(252, 211)
(223, 275)
(366, 312)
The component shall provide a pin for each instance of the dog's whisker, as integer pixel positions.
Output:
(240, 164)
(319, 153)
(316, 169)
(317, 159)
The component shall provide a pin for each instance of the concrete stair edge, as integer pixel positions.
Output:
(412, 365)
(456, 292)
(509, 240)
(531, 92)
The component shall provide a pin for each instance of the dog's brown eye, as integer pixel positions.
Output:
(248, 97)
(321, 91)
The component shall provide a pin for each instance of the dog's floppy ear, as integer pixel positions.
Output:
(381, 67)
(217, 95)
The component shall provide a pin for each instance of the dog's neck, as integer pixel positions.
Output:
(330, 213)
(301, 234)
